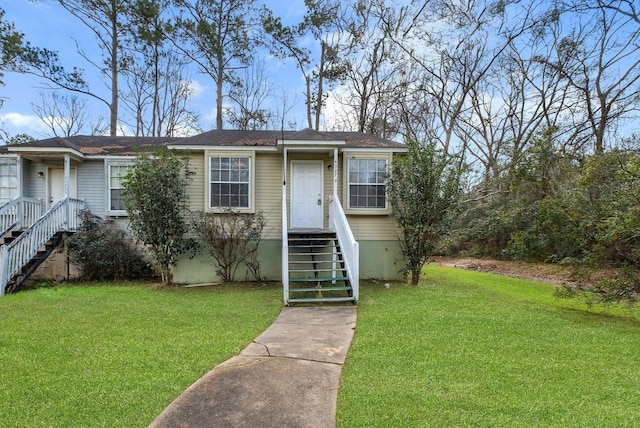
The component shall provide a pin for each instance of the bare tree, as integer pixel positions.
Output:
(599, 56)
(373, 72)
(107, 20)
(287, 43)
(278, 120)
(249, 97)
(66, 115)
(215, 34)
(157, 98)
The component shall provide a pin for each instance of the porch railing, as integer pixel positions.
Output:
(285, 248)
(20, 213)
(64, 216)
(349, 246)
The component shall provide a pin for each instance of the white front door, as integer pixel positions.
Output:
(307, 201)
(56, 185)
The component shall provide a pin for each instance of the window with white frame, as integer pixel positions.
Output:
(367, 183)
(117, 172)
(8, 180)
(230, 182)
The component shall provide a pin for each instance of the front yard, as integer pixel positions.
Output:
(469, 348)
(460, 349)
(116, 355)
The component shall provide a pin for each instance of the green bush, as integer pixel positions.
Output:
(103, 251)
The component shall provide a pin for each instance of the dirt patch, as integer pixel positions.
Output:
(545, 272)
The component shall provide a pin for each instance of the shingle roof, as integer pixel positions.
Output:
(114, 146)
(97, 145)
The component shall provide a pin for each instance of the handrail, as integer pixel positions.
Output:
(63, 216)
(350, 247)
(285, 247)
(19, 212)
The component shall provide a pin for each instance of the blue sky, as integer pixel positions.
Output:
(46, 25)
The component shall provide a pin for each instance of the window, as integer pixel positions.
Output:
(230, 182)
(116, 189)
(367, 185)
(8, 180)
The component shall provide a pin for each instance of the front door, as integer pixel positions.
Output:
(307, 201)
(56, 185)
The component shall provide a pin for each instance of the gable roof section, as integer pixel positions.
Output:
(87, 146)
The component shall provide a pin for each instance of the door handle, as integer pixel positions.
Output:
(319, 201)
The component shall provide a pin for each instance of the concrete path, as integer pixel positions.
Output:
(288, 377)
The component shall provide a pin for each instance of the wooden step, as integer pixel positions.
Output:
(330, 288)
(323, 270)
(326, 279)
(321, 299)
(315, 262)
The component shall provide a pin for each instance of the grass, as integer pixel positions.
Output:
(475, 349)
(461, 349)
(116, 355)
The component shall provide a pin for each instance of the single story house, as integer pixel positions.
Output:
(323, 194)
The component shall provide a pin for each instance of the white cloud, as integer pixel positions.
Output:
(196, 88)
(18, 123)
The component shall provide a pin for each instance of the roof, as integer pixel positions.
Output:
(236, 138)
(92, 145)
(128, 146)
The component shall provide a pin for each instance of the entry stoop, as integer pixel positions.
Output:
(317, 271)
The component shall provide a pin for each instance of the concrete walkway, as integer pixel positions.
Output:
(288, 376)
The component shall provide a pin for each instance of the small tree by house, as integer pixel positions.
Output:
(157, 202)
(423, 187)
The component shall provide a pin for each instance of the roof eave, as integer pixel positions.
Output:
(45, 151)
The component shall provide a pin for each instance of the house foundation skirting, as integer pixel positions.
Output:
(378, 260)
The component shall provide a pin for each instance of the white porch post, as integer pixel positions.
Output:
(67, 176)
(335, 171)
(67, 188)
(334, 195)
(4, 268)
(21, 211)
(285, 232)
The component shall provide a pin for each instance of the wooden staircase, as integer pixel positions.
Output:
(17, 280)
(317, 272)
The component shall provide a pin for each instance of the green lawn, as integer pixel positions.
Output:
(115, 356)
(475, 349)
(461, 349)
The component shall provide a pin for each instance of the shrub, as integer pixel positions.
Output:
(232, 238)
(103, 251)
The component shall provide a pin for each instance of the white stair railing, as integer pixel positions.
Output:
(64, 216)
(19, 213)
(348, 245)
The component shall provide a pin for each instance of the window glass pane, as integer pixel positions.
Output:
(366, 187)
(118, 200)
(8, 180)
(116, 187)
(230, 181)
(215, 163)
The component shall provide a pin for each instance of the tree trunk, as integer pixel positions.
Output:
(113, 118)
(320, 89)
